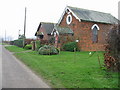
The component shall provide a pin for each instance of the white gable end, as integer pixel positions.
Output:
(70, 11)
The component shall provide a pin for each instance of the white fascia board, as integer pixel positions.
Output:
(52, 33)
(96, 26)
(74, 14)
(68, 13)
(62, 16)
(57, 32)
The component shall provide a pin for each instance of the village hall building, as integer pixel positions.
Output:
(89, 28)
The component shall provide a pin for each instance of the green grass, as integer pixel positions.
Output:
(70, 70)
(14, 49)
(4, 44)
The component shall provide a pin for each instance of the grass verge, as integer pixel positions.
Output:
(3, 44)
(15, 49)
(70, 70)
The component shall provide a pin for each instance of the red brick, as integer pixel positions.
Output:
(82, 30)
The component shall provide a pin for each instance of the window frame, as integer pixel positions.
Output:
(68, 19)
(95, 33)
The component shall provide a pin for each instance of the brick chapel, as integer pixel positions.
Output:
(87, 27)
(90, 28)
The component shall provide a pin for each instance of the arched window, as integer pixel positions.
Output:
(95, 29)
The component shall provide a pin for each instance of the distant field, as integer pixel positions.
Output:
(3, 44)
(70, 69)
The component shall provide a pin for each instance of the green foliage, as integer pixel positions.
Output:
(28, 46)
(67, 71)
(4, 43)
(14, 49)
(11, 42)
(18, 42)
(70, 46)
(52, 40)
(21, 37)
(48, 50)
(38, 45)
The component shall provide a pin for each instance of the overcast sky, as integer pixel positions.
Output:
(12, 13)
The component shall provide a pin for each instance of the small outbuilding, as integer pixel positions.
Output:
(44, 31)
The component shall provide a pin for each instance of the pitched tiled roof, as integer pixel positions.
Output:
(92, 16)
(63, 30)
(48, 27)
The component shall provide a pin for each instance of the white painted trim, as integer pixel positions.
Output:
(67, 21)
(62, 16)
(96, 26)
(57, 32)
(54, 33)
(42, 33)
(72, 14)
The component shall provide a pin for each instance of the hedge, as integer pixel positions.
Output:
(18, 42)
(70, 46)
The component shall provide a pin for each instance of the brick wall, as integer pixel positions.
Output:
(46, 39)
(82, 32)
(42, 29)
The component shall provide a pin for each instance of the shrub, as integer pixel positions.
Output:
(28, 46)
(37, 45)
(11, 42)
(52, 40)
(70, 46)
(48, 50)
(18, 42)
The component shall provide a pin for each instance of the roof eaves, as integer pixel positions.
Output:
(47, 22)
(112, 21)
(63, 30)
(59, 21)
(96, 21)
(75, 15)
(67, 7)
(38, 29)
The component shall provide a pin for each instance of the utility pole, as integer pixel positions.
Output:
(24, 28)
(18, 34)
(5, 35)
(119, 17)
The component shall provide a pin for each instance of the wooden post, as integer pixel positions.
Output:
(5, 35)
(74, 55)
(24, 28)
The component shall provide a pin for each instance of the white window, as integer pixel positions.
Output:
(69, 19)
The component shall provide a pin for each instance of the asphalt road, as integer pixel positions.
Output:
(0, 67)
(16, 75)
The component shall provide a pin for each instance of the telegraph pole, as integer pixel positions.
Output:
(18, 34)
(5, 35)
(24, 28)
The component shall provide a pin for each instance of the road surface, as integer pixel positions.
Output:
(16, 75)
